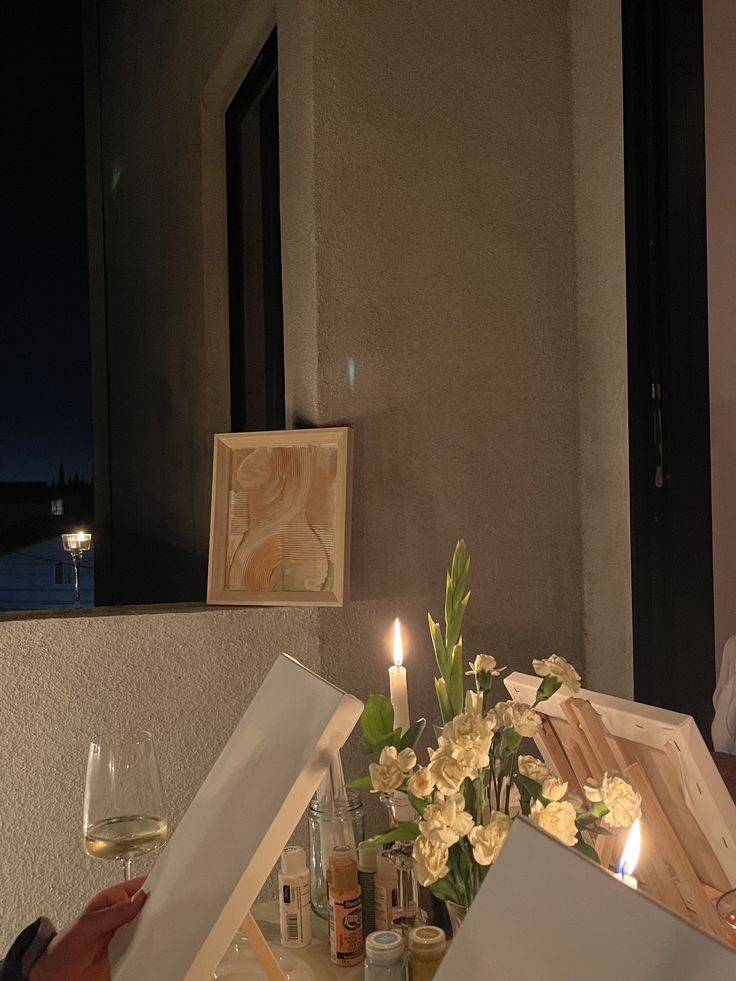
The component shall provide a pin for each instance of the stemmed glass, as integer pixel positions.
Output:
(124, 813)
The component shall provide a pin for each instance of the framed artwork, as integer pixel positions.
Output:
(280, 519)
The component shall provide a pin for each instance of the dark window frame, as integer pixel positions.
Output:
(669, 403)
(254, 249)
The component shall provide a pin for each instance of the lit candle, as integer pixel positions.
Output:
(397, 682)
(630, 856)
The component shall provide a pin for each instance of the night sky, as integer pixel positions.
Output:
(45, 412)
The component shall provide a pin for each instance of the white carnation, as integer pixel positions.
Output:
(519, 716)
(485, 663)
(553, 788)
(622, 801)
(557, 819)
(388, 773)
(446, 821)
(534, 769)
(430, 860)
(447, 772)
(468, 739)
(559, 668)
(421, 783)
(488, 839)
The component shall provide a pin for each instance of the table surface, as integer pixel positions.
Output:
(310, 964)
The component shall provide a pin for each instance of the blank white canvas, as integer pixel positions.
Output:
(546, 913)
(218, 858)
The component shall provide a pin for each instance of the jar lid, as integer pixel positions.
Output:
(427, 939)
(384, 947)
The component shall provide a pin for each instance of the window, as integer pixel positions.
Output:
(57, 505)
(254, 249)
(58, 573)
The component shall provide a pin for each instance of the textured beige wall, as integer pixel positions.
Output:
(595, 31)
(719, 39)
(188, 677)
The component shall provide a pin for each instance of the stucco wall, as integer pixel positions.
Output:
(597, 83)
(187, 677)
(719, 39)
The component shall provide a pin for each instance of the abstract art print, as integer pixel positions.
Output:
(280, 522)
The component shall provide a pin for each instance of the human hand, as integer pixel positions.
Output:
(79, 953)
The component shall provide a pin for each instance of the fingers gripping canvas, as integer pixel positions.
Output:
(280, 512)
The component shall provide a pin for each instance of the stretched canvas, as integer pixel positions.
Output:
(279, 531)
(546, 913)
(211, 871)
(688, 825)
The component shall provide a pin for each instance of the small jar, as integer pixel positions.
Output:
(331, 824)
(385, 956)
(427, 946)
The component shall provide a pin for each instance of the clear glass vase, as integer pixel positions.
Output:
(331, 823)
(456, 914)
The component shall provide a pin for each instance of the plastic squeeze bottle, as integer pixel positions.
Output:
(295, 911)
(346, 916)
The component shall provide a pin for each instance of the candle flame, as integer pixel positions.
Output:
(398, 644)
(631, 852)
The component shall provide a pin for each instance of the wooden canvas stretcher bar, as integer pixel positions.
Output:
(683, 865)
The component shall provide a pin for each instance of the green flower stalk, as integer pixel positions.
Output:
(448, 650)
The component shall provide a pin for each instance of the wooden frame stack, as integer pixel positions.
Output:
(679, 865)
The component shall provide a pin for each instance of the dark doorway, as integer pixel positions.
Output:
(254, 249)
(672, 572)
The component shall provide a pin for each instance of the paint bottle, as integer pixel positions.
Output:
(387, 883)
(427, 946)
(346, 920)
(294, 898)
(367, 864)
(385, 956)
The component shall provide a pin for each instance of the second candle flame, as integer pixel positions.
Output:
(630, 855)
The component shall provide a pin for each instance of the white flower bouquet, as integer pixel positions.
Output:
(476, 779)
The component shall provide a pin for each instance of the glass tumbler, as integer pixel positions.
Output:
(331, 823)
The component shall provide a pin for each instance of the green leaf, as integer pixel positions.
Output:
(456, 687)
(547, 688)
(511, 739)
(587, 850)
(416, 802)
(360, 782)
(440, 651)
(444, 702)
(377, 720)
(413, 734)
(407, 831)
(528, 787)
(444, 890)
(390, 739)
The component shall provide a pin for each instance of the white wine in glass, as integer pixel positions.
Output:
(124, 813)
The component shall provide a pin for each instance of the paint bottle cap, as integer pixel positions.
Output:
(293, 860)
(430, 940)
(384, 947)
(368, 856)
(344, 875)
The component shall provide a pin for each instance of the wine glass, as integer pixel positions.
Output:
(124, 813)
(726, 908)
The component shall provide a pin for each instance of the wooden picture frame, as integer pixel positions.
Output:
(280, 518)
(209, 874)
(688, 827)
